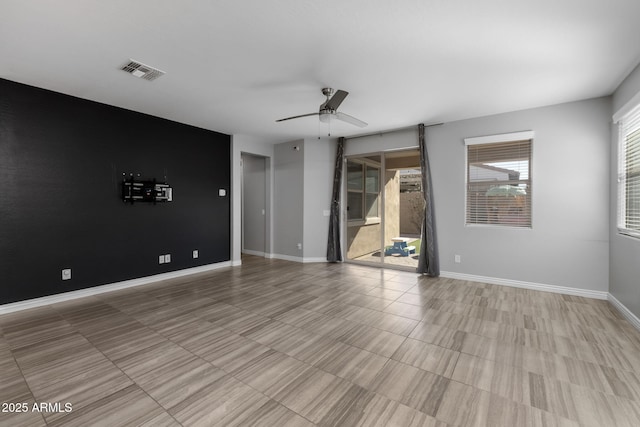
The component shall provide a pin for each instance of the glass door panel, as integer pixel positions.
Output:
(385, 207)
(364, 204)
(404, 207)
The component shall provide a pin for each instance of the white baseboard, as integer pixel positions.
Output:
(314, 259)
(255, 253)
(297, 258)
(632, 318)
(286, 257)
(527, 285)
(96, 290)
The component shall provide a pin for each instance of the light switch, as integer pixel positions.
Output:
(222, 192)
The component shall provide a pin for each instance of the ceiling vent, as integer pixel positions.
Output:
(141, 70)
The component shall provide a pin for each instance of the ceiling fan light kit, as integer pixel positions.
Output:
(325, 117)
(328, 109)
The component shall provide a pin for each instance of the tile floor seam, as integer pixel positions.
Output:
(320, 369)
(593, 354)
(551, 378)
(25, 380)
(506, 341)
(227, 373)
(127, 375)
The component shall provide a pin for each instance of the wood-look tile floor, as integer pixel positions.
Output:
(276, 343)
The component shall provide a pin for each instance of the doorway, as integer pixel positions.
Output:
(384, 209)
(254, 205)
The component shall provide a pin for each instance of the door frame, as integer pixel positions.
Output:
(345, 225)
(266, 252)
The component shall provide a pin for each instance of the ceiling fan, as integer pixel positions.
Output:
(328, 109)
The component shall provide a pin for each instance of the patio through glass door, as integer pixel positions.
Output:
(384, 208)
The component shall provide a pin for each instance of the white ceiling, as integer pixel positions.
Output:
(235, 66)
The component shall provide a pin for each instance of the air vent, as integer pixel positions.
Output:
(141, 70)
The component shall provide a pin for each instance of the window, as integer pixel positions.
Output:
(363, 191)
(499, 180)
(629, 173)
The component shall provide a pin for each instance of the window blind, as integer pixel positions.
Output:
(363, 191)
(499, 183)
(629, 174)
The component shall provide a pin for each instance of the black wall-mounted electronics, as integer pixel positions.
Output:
(145, 191)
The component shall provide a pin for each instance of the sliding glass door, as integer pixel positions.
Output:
(364, 208)
(384, 207)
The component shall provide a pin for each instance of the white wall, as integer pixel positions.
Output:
(251, 145)
(568, 244)
(319, 160)
(288, 219)
(298, 192)
(624, 279)
(407, 138)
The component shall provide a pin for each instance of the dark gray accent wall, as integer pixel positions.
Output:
(61, 165)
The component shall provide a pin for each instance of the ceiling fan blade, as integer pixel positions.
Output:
(336, 100)
(350, 119)
(297, 117)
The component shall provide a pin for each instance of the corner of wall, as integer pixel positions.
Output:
(288, 198)
(256, 146)
(624, 290)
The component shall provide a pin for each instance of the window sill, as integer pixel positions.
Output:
(629, 233)
(500, 226)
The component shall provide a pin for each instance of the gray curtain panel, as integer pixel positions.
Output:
(428, 262)
(334, 252)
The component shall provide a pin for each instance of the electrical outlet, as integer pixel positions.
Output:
(457, 259)
(161, 259)
(195, 253)
(299, 245)
(167, 258)
(66, 274)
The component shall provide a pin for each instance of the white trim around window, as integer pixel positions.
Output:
(498, 182)
(503, 137)
(628, 214)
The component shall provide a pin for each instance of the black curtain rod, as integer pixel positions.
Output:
(392, 131)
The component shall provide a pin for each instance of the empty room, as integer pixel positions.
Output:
(338, 213)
